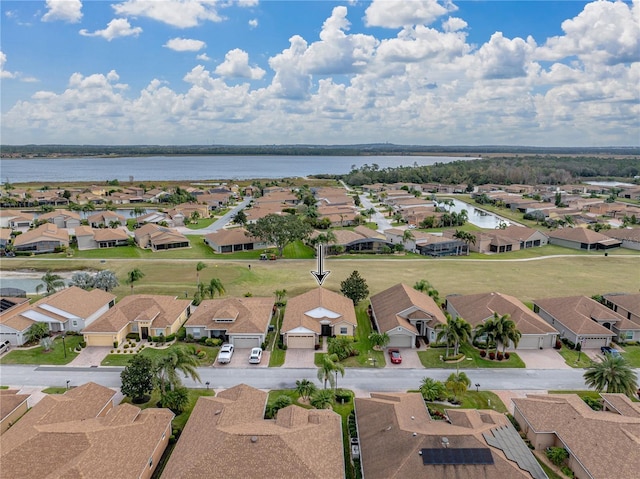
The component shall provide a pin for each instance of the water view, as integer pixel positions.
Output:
(480, 218)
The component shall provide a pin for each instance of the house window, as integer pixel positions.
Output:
(74, 323)
(159, 332)
(626, 335)
(343, 330)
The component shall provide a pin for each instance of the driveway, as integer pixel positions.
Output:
(410, 359)
(542, 359)
(240, 359)
(91, 356)
(300, 358)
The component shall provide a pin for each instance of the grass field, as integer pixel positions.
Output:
(154, 354)
(632, 355)
(38, 356)
(475, 400)
(431, 359)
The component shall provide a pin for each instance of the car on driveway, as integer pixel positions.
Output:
(609, 350)
(255, 356)
(226, 351)
(395, 356)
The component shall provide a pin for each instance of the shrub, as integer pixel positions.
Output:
(342, 395)
(118, 351)
(557, 455)
(507, 355)
(170, 338)
(492, 355)
(513, 421)
(181, 334)
(500, 356)
(201, 354)
(111, 351)
(125, 346)
(115, 344)
(483, 353)
(567, 471)
(142, 346)
(134, 336)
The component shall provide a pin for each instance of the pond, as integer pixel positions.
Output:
(478, 217)
(28, 281)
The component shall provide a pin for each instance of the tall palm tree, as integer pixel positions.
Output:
(133, 276)
(215, 286)
(425, 287)
(488, 329)
(612, 374)
(305, 388)
(431, 389)
(408, 235)
(506, 330)
(447, 332)
(199, 267)
(329, 365)
(137, 211)
(51, 282)
(177, 359)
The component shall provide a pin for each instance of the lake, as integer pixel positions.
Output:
(181, 168)
(478, 217)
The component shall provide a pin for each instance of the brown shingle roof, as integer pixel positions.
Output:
(578, 313)
(630, 302)
(9, 400)
(581, 235)
(252, 315)
(47, 231)
(230, 236)
(319, 301)
(76, 301)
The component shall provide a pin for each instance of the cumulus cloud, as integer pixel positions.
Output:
(203, 57)
(502, 57)
(69, 11)
(4, 73)
(116, 28)
(453, 24)
(253, 23)
(185, 45)
(400, 13)
(236, 65)
(177, 13)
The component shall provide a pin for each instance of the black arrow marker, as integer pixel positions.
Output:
(320, 275)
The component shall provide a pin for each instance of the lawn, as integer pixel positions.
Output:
(431, 359)
(38, 356)
(631, 354)
(201, 223)
(55, 390)
(474, 400)
(155, 354)
(277, 357)
(575, 359)
(583, 393)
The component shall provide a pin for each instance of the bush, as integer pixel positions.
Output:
(507, 355)
(513, 421)
(182, 334)
(214, 342)
(500, 356)
(134, 336)
(567, 471)
(342, 395)
(170, 338)
(483, 353)
(126, 346)
(115, 344)
(111, 351)
(492, 355)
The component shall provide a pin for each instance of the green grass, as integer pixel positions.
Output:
(54, 390)
(632, 355)
(431, 359)
(56, 356)
(201, 223)
(277, 357)
(571, 357)
(4, 387)
(155, 354)
(551, 474)
(475, 400)
(298, 250)
(583, 393)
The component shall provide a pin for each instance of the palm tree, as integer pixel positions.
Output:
(370, 212)
(408, 235)
(425, 287)
(305, 388)
(322, 399)
(177, 359)
(379, 340)
(465, 236)
(458, 383)
(280, 294)
(36, 332)
(612, 374)
(133, 276)
(215, 286)
(199, 267)
(51, 282)
(506, 330)
(330, 365)
(431, 389)
(463, 333)
(137, 211)
(488, 329)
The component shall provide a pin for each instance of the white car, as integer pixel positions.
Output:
(255, 356)
(226, 351)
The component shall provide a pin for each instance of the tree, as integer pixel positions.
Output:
(425, 287)
(137, 211)
(133, 276)
(557, 455)
(281, 402)
(82, 280)
(280, 295)
(328, 366)
(305, 388)
(322, 399)
(46, 343)
(355, 288)
(280, 230)
(379, 340)
(177, 399)
(215, 286)
(167, 367)
(341, 347)
(465, 236)
(457, 383)
(240, 218)
(407, 236)
(370, 212)
(199, 267)
(138, 379)
(432, 390)
(36, 332)
(105, 280)
(506, 331)
(51, 282)
(488, 329)
(612, 374)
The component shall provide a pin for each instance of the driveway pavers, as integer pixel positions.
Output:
(542, 359)
(410, 359)
(300, 358)
(91, 356)
(240, 359)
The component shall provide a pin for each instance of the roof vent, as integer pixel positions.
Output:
(218, 411)
(254, 438)
(415, 434)
(445, 442)
(413, 417)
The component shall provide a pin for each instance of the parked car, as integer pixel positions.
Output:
(226, 351)
(609, 350)
(255, 356)
(5, 346)
(395, 356)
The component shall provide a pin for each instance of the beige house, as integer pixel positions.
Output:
(477, 308)
(582, 238)
(145, 314)
(227, 436)
(45, 238)
(400, 440)
(159, 238)
(62, 218)
(82, 434)
(601, 444)
(233, 239)
(406, 314)
(242, 322)
(90, 238)
(319, 312)
(12, 407)
(106, 219)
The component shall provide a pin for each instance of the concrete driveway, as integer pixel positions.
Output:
(91, 356)
(240, 359)
(300, 358)
(410, 359)
(542, 359)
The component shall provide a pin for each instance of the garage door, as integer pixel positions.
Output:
(99, 340)
(400, 341)
(299, 341)
(246, 342)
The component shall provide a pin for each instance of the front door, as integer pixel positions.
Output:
(326, 330)
(144, 333)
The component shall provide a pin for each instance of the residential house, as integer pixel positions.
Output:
(159, 238)
(582, 238)
(332, 196)
(242, 322)
(528, 237)
(5, 237)
(232, 240)
(82, 434)
(62, 218)
(46, 238)
(145, 314)
(261, 210)
(12, 325)
(426, 243)
(16, 220)
(12, 407)
(630, 237)
(90, 238)
(338, 215)
(319, 312)
(399, 440)
(601, 444)
(359, 240)
(478, 308)
(582, 320)
(626, 305)
(182, 213)
(106, 219)
(155, 217)
(227, 436)
(155, 195)
(406, 314)
(489, 241)
(215, 201)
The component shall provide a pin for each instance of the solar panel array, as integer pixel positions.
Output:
(456, 456)
(509, 441)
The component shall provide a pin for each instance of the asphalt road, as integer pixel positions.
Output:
(278, 378)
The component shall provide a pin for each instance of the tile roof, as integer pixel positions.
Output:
(578, 313)
(626, 234)
(76, 301)
(159, 234)
(308, 309)
(582, 235)
(392, 306)
(520, 233)
(476, 308)
(60, 213)
(47, 232)
(251, 315)
(602, 441)
(299, 443)
(163, 310)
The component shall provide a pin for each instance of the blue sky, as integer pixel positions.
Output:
(544, 73)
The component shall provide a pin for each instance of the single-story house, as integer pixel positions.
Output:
(528, 237)
(242, 322)
(45, 238)
(106, 219)
(227, 436)
(12, 407)
(427, 244)
(62, 218)
(581, 320)
(625, 304)
(82, 434)
(630, 237)
(489, 241)
(90, 238)
(16, 219)
(477, 308)
(155, 217)
(319, 312)
(12, 325)
(159, 238)
(5, 237)
(406, 314)
(338, 215)
(182, 213)
(233, 239)
(601, 444)
(145, 314)
(359, 240)
(582, 238)
(399, 440)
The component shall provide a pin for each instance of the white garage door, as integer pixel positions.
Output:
(400, 341)
(299, 341)
(246, 342)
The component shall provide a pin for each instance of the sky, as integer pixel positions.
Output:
(259, 72)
